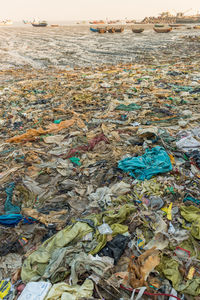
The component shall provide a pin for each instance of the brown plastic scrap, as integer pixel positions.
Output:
(140, 268)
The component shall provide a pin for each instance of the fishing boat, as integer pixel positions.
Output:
(162, 30)
(94, 29)
(111, 30)
(121, 29)
(39, 23)
(137, 30)
(159, 25)
(196, 27)
(102, 30)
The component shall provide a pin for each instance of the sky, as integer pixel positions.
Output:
(67, 10)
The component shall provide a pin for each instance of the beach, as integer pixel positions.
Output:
(99, 162)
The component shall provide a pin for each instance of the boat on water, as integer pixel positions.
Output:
(6, 23)
(162, 29)
(39, 24)
(137, 30)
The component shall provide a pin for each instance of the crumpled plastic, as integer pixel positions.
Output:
(87, 263)
(191, 214)
(140, 268)
(63, 291)
(154, 161)
(35, 290)
(103, 195)
(37, 263)
(170, 268)
(188, 143)
(115, 248)
(8, 206)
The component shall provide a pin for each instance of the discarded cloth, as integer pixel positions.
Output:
(154, 161)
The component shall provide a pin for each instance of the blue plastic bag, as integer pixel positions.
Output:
(154, 161)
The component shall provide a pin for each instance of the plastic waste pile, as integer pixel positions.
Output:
(99, 180)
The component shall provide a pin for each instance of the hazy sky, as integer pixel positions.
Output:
(91, 9)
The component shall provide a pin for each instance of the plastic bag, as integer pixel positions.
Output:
(154, 161)
(35, 290)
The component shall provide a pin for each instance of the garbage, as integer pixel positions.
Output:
(99, 178)
(154, 161)
(35, 290)
(71, 292)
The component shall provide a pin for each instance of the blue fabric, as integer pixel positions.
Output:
(13, 219)
(8, 206)
(154, 161)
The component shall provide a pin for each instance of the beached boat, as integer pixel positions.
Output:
(137, 30)
(39, 24)
(121, 29)
(196, 27)
(102, 30)
(111, 30)
(94, 29)
(162, 30)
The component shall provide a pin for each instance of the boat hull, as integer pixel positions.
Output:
(39, 25)
(162, 30)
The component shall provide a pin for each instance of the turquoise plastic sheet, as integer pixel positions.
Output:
(154, 161)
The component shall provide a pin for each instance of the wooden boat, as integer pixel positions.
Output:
(119, 29)
(102, 30)
(111, 30)
(39, 24)
(137, 30)
(162, 30)
(94, 29)
(196, 27)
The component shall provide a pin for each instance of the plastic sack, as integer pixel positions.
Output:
(35, 290)
(63, 291)
(154, 161)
